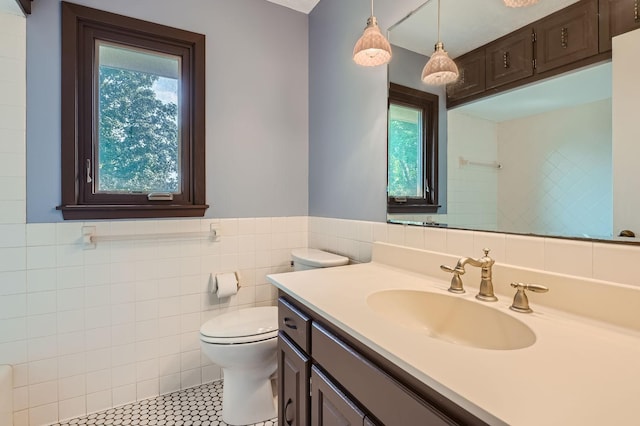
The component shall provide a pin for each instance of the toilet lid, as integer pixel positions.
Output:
(318, 258)
(242, 326)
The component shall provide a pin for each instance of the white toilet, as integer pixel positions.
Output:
(308, 258)
(244, 344)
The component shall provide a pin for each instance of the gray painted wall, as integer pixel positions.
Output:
(257, 102)
(347, 109)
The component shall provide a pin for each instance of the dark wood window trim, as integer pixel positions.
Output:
(428, 102)
(81, 26)
(25, 5)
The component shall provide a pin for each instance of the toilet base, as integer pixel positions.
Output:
(246, 400)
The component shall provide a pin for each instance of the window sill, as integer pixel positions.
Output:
(110, 211)
(413, 208)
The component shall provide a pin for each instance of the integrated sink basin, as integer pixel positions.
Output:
(452, 319)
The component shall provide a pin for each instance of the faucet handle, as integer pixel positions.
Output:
(456, 281)
(520, 300)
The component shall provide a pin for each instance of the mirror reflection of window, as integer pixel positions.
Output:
(412, 152)
(405, 151)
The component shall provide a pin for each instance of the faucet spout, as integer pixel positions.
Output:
(485, 263)
(486, 284)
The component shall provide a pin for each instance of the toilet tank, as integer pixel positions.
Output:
(312, 259)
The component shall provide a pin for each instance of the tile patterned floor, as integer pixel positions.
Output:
(199, 406)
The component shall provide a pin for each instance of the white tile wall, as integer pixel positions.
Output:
(542, 154)
(92, 329)
(608, 262)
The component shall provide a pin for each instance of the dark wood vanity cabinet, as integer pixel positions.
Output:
(330, 406)
(471, 67)
(336, 381)
(617, 17)
(509, 58)
(293, 383)
(567, 36)
(294, 365)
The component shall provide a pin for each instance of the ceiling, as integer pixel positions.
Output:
(304, 6)
(465, 24)
(568, 90)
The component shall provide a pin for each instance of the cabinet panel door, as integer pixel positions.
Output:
(617, 17)
(472, 76)
(509, 58)
(329, 406)
(567, 36)
(384, 398)
(293, 384)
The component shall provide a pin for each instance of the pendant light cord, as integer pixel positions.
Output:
(438, 20)
(371, 7)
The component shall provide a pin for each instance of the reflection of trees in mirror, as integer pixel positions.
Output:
(404, 140)
(138, 134)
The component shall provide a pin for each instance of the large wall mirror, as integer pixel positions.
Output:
(535, 160)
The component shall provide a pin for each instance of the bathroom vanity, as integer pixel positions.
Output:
(318, 359)
(365, 359)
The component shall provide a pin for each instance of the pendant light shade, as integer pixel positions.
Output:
(440, 69)
(519, 3)
(372, 49)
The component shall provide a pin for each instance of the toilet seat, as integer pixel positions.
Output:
(243, 326)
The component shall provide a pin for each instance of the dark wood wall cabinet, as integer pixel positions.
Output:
(509, 58)
(25, 5)
(327, 378)
(472, 75)
(568, 39)
(617, 17)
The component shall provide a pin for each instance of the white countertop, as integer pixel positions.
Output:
(578, 372)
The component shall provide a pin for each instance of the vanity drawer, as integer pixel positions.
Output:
(387, 400)
(295, 324)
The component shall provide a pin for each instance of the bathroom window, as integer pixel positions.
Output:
(412, 151)
(132, 118)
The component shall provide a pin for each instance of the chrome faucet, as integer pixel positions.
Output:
(486, 285)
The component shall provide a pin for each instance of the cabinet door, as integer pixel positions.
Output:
(472, 76)
(509, 58)
(617, 17)
(329, 406)
(293, 384)
(567, 36)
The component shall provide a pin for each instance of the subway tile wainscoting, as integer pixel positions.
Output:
(87, 330)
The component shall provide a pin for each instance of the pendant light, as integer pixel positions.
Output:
(440, 69)
(372, 49)
(519, 3)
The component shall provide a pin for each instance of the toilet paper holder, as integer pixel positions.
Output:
(225, 284)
